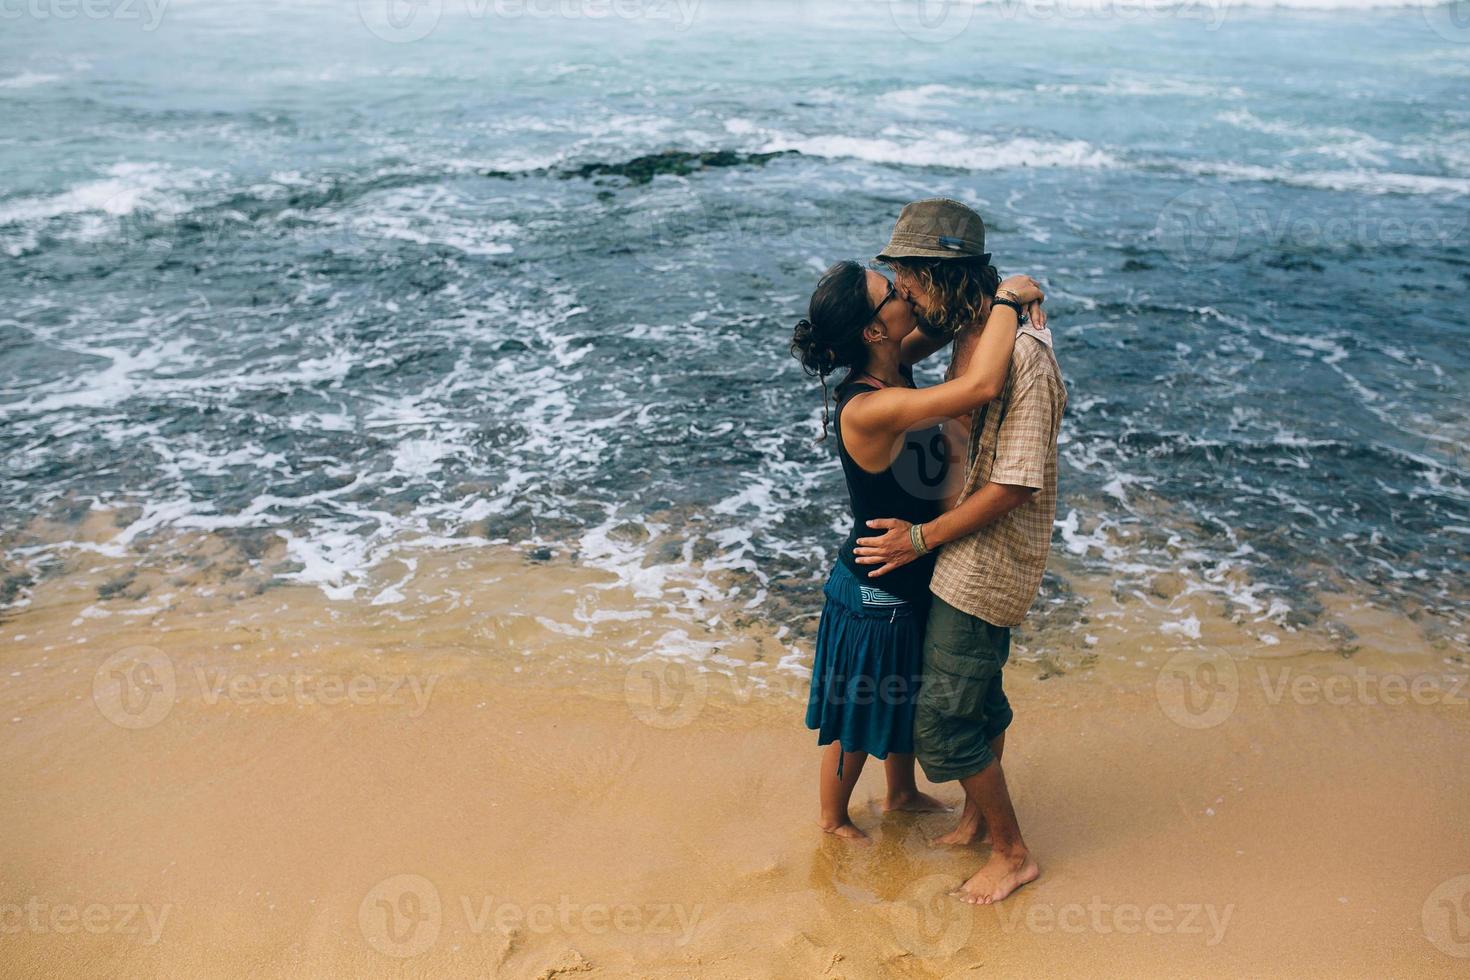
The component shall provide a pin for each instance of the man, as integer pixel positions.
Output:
(995, 538)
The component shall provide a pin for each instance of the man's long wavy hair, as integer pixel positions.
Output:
(956, 289)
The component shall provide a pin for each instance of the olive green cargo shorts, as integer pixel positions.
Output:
(961, 705)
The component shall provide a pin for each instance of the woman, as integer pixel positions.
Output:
(868, 659)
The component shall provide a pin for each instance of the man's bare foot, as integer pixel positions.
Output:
(1000, 876)
(845, 829)
(963, 836)
(915, 802)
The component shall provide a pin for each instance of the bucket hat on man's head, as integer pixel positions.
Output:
(937, 228)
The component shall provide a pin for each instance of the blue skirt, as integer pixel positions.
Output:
(867, 669)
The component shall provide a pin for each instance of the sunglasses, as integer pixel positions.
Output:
(892, 292)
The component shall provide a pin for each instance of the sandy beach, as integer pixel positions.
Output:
(260, 782)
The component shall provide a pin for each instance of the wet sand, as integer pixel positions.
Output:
(265, 783)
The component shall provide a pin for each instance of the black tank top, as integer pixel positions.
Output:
(909, 490)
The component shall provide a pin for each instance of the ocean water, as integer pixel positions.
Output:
(367, 279)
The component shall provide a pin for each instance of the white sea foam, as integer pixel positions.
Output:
(919, 99)
(115, 382)
(1187, 627)
(1357, 181)
(1245, 119)
(27, 79)
(129, 374)
(946, 148)
(330, 560)
(94, 207)
(1139, 86)
(126, 188)
(334, 539)
(1449, 152)
(418, 457)
(191, 461)
(430, 215)
(341, 72)
(949, 148)
(1349, 145)
(924, 97)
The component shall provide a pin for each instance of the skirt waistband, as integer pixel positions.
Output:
(861, 599)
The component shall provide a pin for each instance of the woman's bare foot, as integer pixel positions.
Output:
(845, 829)
(1000, 876)
(964, 835)
(912, 801)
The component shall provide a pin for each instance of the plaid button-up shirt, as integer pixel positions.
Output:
(995, 572)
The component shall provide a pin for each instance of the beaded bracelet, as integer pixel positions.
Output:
(916, 538)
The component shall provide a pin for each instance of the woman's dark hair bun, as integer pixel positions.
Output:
(815, 354)
(830, 336)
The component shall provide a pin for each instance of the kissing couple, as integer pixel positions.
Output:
(953, 490)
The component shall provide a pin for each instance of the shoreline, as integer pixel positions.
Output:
(572, 811)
